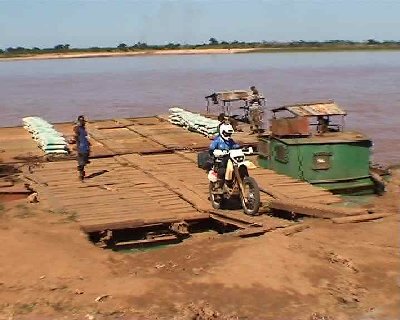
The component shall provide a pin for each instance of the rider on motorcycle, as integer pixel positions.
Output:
(223, 141)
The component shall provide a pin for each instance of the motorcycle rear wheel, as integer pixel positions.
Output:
(251, 199)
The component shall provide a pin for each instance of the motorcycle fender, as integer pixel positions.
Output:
(243, 171)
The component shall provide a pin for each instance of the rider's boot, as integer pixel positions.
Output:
(218, 186)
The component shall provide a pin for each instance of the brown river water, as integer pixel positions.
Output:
(366, 84)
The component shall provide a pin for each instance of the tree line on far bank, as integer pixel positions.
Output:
(213, 43)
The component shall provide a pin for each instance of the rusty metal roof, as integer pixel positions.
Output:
(320, 108)
(233, 95)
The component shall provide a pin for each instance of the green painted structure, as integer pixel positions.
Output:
(335, 162)
(328, 157)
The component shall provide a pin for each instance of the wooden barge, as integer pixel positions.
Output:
(144, 184)
(327, 155)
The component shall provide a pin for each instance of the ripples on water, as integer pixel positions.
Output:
(366, 84)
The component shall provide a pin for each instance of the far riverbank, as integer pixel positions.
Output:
(105, 54)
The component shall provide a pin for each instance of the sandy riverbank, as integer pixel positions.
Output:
(328, 271)
(105, 54)
(75, 55)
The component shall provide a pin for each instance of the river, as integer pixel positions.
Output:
(364, 83)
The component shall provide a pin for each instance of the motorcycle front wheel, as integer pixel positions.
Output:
(251, 197)
(215, 199)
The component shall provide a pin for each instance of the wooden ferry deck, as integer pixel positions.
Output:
(144, 173)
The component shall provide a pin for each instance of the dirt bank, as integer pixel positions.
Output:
(72, 55)
(329, 271)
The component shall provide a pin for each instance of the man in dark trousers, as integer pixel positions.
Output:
(82, 145)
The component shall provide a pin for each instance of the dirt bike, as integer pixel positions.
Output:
(243, 186)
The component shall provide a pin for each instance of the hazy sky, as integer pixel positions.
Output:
(84, 23)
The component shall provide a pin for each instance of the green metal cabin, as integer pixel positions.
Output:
(330, 158)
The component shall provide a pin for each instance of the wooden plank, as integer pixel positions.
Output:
(6, 184)
(145, 216)
(362, 217)
(313, 209)
(156, 240)
(132, 206)
(273, 192)
(250, 232)
(237, 216)
(288, 231)
(134, 223)
(15, 189)
(112, 199)
(116, 205)
(198, 202)
(290, 184)
(117, 213)
(110, 207)
(155, 211)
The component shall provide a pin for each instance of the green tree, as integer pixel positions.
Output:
(140, 45)
(213, 41)
(62, 47)
(123, 47)
(172, 45)
(372, 41)
(16, 50)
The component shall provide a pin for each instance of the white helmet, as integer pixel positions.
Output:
(226, 131)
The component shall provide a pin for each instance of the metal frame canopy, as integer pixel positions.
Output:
(234, 95)
(313, 109)
(224, 99)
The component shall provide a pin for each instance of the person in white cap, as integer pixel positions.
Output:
(224, 141)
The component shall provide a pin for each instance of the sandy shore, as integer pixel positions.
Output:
(73, 55)
(49, 270)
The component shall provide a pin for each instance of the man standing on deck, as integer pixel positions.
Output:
(255, 111)
(255, 96)
(82, 145)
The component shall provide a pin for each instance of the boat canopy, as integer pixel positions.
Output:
(229, 99)
(232, 95)
(312, 109)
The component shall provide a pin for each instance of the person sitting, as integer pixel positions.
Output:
(322, 125)
(223, 141)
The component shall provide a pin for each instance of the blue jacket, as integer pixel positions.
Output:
(221, 144)
(82, 139)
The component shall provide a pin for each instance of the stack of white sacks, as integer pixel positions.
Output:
(48, 139)
(193, 121)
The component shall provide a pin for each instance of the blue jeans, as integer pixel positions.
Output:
(83, 158)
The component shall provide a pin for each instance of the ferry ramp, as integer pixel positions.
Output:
(140, 178)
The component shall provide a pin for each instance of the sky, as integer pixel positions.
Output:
(89, 23)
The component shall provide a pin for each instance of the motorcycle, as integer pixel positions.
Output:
(243, 186)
